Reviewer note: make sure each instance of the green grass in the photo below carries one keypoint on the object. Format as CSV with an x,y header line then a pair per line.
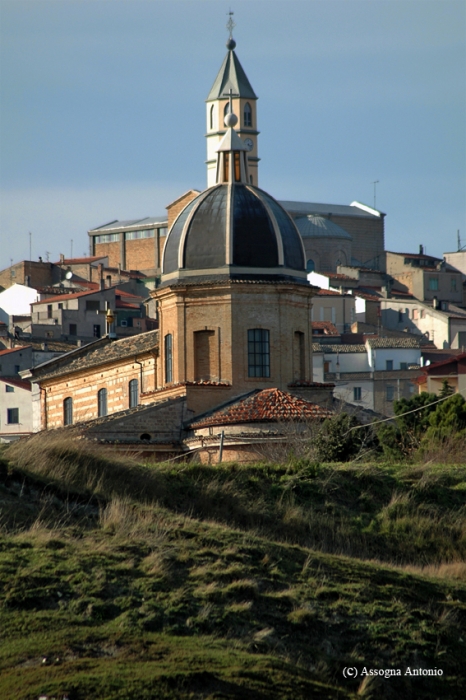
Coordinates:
x,y
227,582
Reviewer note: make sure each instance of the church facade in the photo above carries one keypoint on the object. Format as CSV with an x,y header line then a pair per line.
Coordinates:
x,y
234,310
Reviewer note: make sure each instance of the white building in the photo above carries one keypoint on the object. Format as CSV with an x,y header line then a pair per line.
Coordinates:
x,y
15,409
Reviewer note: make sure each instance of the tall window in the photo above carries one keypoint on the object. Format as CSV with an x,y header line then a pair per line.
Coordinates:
x,y
133,393
433,284
12,415
212,117
357,393
226,110
310,265
258,353
389,365
247,114
102,402
68,411
168,358
390,393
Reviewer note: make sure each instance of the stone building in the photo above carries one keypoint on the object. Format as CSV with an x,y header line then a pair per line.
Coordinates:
x,y
234,310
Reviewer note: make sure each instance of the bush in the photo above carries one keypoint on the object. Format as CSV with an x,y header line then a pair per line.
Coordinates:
x,y
342,438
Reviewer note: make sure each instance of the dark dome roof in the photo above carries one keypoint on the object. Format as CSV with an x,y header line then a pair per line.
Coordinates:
x,y
319,227
233,230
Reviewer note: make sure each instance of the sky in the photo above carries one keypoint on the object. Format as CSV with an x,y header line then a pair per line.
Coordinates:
x,y
103,116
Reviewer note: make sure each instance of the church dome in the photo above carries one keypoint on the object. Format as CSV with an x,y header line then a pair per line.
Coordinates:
x,y
319,227
235,230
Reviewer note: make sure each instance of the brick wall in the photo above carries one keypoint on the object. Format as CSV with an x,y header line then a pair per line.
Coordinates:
x,y
83,388
179,204
112,250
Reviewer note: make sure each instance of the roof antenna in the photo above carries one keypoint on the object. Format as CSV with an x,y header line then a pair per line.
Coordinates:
x,y
231,43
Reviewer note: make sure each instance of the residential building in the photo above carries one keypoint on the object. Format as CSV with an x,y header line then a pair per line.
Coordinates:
x,y
333,307
425,277
443,323
82,314
370,375
15,408
452,369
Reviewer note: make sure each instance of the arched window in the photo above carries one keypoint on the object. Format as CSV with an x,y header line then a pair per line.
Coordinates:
x,y
68,411
310,265
212,117
133,393
258,352
247,115
102,402
168,358
226,109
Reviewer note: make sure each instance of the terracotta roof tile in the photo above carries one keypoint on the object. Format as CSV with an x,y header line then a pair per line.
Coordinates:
x,y
16,349
393,342
324,328
264,406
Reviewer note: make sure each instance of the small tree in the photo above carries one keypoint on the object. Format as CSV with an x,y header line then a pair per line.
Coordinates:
x,y
342,438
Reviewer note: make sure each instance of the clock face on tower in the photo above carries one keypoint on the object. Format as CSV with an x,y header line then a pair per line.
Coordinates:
x,y
249,143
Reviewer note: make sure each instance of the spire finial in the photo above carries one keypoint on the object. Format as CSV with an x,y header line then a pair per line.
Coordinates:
x,y
231,43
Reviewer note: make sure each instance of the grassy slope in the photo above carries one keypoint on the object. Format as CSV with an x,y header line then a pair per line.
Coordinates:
x,y
227,582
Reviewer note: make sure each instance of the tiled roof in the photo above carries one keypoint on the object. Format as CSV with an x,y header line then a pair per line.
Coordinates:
x,y
9,350
326,328
65,295
393,342
344,348
431,369
102,352
329,293
263,406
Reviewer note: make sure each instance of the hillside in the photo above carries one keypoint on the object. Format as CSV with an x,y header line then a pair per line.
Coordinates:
x,y
121,580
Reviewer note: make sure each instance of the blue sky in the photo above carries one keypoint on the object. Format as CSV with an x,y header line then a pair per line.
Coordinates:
x,y
103,112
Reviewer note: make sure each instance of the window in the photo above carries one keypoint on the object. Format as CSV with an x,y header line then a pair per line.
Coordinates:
x,y
102,402
423,313
247,114
68,411
97,330
298,356
107,238
92,305
9,389
310,265
403,365
226,110
168,358
17,369
389,393
389,365
258,353
453,284
133,393
73,329
433,284
357,393
49,310
415,314
211,122
12,416
134,235
60,305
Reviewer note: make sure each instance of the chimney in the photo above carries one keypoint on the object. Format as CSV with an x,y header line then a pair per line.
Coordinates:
x,y
421,250
62,258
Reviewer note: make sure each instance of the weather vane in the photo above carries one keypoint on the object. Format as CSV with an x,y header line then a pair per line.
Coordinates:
x,y
231,24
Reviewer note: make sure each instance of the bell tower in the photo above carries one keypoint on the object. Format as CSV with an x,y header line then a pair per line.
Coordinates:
x,y
232,91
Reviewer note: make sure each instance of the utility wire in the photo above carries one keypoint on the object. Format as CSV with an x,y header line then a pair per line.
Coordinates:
x,y
400,415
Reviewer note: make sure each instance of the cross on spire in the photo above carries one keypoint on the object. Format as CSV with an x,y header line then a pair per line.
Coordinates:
x,y
231,24
230,94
